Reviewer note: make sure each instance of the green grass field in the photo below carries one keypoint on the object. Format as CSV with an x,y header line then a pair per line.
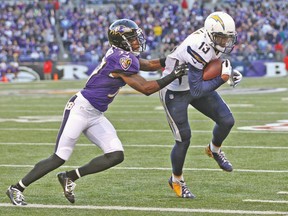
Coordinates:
x,y
30,115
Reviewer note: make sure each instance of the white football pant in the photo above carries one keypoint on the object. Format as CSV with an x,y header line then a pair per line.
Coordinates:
x,y
80,116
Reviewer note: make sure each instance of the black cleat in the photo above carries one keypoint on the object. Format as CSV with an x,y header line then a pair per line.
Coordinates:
x,y
16,196
220,159
68,186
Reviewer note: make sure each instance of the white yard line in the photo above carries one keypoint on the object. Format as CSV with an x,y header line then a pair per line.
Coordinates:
x,y
267,201
283,192
156,168
148,145
147,209
141,131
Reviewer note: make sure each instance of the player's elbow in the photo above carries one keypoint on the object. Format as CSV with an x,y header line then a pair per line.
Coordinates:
x,y
147,93
148,90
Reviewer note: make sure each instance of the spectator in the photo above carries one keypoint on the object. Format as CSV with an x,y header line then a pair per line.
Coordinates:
x,y
15,69
279,51
3,69
157,31
47,69
285,60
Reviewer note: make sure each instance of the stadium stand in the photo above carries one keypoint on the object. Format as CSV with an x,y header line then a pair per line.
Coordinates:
x,y
75,31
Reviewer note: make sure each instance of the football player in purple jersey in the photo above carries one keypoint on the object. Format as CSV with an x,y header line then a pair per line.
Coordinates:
x,y
84,112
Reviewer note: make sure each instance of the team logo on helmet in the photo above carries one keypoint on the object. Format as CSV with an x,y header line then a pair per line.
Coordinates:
x,y
125,62
120,30
218,19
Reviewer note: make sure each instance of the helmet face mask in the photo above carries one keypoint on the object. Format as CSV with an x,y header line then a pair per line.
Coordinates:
x,y
226,42
220,28
126,34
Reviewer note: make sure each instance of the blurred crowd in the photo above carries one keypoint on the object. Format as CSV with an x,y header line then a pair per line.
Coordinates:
x,y
60,30
27,34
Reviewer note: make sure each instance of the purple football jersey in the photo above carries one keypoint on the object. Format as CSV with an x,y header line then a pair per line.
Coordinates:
x,y
102,87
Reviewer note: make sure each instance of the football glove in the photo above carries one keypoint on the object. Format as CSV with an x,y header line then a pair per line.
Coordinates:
x,y
181,70
235,78
226,68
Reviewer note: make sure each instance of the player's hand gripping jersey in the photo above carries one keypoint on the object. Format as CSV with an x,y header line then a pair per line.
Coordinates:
x,y
196,51
84,112
216,37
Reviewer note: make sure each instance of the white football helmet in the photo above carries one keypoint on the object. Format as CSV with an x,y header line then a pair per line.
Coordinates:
x,y
220,28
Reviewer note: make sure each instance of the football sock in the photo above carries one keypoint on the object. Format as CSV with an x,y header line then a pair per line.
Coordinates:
x,y
214,148
177,178
72,175
20,186
100,163
42,168
77,172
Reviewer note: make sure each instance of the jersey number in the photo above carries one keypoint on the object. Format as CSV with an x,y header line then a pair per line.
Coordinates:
x,y
70,105
204,47
195,56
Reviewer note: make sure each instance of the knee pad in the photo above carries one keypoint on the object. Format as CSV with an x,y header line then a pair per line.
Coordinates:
x,y
185,136
115,157
222,129
227,121
183,145
56,160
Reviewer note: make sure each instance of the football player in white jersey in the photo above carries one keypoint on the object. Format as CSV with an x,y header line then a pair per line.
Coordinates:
x,y
218,36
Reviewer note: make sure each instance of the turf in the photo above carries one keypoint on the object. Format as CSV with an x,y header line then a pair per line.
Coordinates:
x,y
140,182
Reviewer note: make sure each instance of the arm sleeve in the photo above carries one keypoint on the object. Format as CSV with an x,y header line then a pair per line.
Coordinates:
x,y
199,87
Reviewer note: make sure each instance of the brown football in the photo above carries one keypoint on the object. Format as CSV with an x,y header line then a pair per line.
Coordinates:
x,y
212,69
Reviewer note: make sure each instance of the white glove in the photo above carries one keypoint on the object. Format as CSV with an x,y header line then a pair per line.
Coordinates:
x,y
226,68
235,78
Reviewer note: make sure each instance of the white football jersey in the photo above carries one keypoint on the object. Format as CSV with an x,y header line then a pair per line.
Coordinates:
x,y
196,50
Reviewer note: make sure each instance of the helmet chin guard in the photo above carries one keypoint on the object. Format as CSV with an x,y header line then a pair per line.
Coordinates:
x,y
220,28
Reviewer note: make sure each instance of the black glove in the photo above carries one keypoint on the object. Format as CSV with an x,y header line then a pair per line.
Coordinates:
x,y
181,70
178,72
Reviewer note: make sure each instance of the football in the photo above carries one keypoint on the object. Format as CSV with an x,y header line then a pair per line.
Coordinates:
x,y
212,69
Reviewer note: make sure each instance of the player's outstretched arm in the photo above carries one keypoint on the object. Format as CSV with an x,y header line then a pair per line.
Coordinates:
x,y
152,65
140,84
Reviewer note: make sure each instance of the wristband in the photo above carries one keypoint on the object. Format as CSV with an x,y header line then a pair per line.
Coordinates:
x,y
162,61
166,80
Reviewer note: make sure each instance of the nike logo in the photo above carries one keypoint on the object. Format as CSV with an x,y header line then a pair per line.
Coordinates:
x,y
113,95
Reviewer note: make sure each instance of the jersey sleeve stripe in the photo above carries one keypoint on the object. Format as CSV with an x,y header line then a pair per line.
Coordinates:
x,y
196,56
